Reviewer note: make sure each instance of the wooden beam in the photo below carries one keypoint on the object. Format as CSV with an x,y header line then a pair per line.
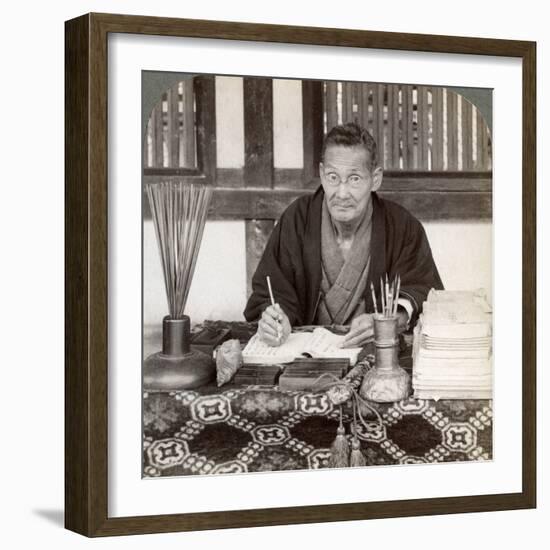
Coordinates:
x,y
331,104
229,177
205,98
427,205
312,106
427,199
291,178
442,206
258,167
413,181
258,132
347,102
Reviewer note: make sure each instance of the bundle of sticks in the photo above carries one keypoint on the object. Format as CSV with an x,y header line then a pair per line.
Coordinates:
x,y
179,213
389,294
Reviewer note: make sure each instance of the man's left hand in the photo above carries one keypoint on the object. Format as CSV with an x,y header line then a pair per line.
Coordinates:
x,y
402,319
360,332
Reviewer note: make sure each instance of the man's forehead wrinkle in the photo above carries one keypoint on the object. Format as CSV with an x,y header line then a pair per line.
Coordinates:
x,y
347,164
346,157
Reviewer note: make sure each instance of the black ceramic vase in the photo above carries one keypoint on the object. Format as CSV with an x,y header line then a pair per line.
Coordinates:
x,y
177,367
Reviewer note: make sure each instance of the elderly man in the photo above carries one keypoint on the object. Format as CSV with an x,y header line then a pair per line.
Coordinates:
x,y
329,246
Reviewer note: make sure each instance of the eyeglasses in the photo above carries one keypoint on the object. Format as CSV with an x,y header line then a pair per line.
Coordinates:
x,y
354,180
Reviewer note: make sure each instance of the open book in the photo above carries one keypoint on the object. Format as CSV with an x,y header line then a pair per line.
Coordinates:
x,y
321,344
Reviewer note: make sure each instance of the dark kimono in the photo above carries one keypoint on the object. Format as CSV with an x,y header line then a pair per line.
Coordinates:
x,y
292,259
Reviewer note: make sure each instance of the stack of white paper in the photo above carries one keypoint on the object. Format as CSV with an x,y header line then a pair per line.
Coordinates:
x,y
452,347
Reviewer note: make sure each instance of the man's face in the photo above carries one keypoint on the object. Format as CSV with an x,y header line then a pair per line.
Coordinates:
x,y
348,182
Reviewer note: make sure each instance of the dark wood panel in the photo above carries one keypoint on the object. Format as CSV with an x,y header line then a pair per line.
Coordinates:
x,y
257,235
365,91
229,177
437,129
312,109
440,206
173,127
347,102
482,142
86,277
466,127
423,128
378,107
233,201
312,514
269,204
426,205
393,127
393,180
98,320
452,130
294,34
158,136
457,182
205,98
529,276
290,178
407,122
258,204
258,131
189,132
77,389
168,173
331,104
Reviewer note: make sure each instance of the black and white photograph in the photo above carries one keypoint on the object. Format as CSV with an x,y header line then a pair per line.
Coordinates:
x,y
317,267
273,275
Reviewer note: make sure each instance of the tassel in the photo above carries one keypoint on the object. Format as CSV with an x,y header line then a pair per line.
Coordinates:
x,y
340,392
357,458
339,450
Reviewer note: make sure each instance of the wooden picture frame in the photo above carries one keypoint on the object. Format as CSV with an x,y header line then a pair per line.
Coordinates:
x,y
86,279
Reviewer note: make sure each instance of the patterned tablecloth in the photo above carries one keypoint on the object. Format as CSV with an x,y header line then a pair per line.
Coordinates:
x,y
247,429
235,429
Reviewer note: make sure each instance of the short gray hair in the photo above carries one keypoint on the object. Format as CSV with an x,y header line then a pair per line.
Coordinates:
x,y
350,135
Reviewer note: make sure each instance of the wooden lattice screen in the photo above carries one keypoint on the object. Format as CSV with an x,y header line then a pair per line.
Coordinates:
x,y
416,127
434,145
170,140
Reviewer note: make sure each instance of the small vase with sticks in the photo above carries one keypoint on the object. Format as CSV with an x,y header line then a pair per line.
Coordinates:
x,y
179,213
387,381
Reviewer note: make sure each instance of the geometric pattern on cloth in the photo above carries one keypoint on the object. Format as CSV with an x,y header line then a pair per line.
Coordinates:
x,y
260,428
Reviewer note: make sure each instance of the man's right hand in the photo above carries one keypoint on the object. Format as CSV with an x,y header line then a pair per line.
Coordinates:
x,y
274,326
